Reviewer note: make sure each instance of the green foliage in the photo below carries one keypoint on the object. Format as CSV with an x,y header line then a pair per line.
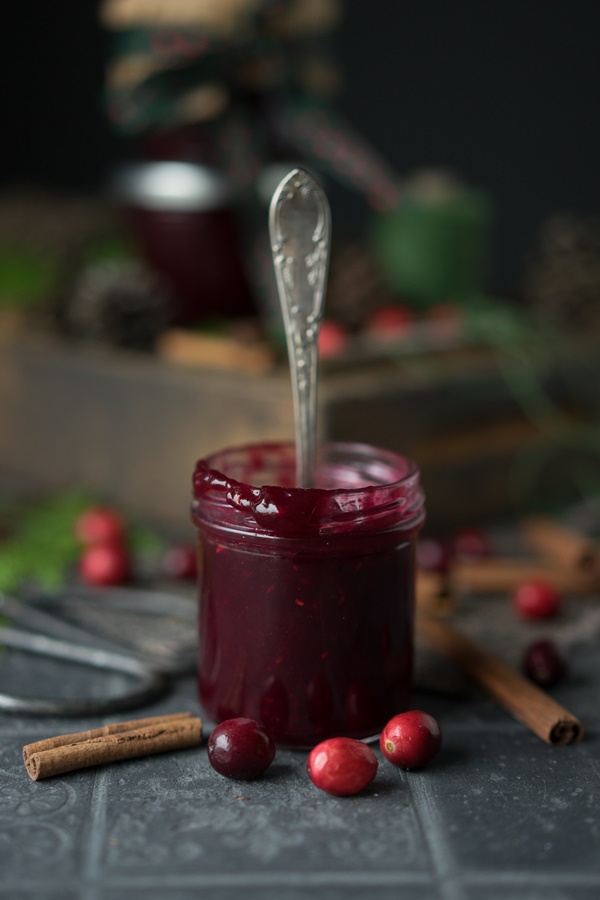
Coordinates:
x,y
495,322
115,247
41,547
144,542
27,277
560,463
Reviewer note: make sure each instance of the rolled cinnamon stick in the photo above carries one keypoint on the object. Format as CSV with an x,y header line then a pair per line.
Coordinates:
x,y
114,728
526,702
564,546
497,574
121,740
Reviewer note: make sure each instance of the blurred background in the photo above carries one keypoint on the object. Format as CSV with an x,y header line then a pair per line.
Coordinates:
x,y
459,146
504,93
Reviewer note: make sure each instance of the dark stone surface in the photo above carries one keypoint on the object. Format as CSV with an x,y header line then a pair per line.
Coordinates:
x,y
498,813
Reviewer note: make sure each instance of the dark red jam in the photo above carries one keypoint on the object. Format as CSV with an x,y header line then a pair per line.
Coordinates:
x,y
306,595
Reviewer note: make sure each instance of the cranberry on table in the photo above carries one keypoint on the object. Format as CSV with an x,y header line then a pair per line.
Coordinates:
x,y
240,748
543,663
390,322
333,339
341,766
411,739
471,543
433,554
536,600
99,525
180,561
105,565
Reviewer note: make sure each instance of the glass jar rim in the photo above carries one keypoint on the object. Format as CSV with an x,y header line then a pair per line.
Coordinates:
x,y
386,494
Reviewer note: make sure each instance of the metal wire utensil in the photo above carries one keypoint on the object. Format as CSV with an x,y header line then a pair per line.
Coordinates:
x,y
41,628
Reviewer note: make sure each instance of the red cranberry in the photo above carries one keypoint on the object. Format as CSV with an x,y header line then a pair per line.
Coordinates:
x,y
333,339
99,525
341,766
411,739
180,561
471,543
543,663
390,322
105,565
240,748
536,600
433,555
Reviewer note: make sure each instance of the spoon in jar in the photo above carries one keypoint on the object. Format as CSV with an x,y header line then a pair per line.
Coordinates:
x,y
300,232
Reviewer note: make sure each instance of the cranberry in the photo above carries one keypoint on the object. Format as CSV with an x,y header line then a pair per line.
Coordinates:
x,y
390,322
333,339
99,525
536,600
411,739
240,748
341,766
433,555
180,561
105,565
471,543
543,663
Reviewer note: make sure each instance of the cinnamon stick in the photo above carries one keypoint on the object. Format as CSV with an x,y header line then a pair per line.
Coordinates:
x,y
525,701
564,546
497,574
110,743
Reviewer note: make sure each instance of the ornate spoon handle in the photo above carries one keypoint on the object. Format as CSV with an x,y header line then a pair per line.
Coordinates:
x,y
300,230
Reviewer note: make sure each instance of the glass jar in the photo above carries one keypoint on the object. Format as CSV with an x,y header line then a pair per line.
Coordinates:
x,y
306,595
182,216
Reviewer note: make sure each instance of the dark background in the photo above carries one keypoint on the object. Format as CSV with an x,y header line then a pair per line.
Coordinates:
x,y
504,93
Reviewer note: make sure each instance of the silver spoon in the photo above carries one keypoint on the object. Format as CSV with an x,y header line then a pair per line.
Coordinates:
x,y
300,231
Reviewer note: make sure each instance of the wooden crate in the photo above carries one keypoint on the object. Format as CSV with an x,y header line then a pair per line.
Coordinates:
x,y
131,426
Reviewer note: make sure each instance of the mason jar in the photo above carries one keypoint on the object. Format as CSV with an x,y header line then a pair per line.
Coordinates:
x,y
307,594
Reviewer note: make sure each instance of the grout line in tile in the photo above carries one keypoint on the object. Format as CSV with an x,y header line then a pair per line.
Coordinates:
x,y
448,879
184,881
93,889
523,878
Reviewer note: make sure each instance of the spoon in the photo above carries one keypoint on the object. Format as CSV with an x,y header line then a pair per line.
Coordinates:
x,y
300,232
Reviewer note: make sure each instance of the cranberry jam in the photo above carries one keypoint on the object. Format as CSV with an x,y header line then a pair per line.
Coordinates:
x,y
306,595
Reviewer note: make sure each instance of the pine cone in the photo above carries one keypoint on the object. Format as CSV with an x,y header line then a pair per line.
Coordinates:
x,y
355,285
118,303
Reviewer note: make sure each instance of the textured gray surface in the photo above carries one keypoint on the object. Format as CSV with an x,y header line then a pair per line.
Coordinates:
x,y
497,814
